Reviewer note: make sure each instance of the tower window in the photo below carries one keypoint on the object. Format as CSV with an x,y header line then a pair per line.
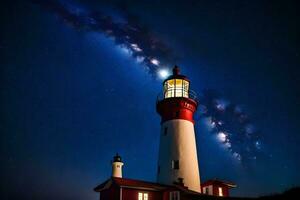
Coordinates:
x,y
166,131
175,164
142,196
158,169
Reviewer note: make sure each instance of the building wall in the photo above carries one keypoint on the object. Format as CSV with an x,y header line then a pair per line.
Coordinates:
x,y
224,189
214,189
207,190
178,144
112,193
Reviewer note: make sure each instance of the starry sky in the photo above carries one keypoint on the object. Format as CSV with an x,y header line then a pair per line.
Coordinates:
x,y
79,82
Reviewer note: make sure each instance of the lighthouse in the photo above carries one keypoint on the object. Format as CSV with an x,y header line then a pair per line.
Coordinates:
x,y
178,172
117,165
177,162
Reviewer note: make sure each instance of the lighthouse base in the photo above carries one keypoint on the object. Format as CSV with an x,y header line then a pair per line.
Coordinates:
x,y
178,154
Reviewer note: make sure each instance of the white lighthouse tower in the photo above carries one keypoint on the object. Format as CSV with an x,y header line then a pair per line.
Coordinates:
x,y
117,165
178,160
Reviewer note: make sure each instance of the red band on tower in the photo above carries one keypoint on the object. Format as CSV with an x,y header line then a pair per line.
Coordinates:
x,y
176,108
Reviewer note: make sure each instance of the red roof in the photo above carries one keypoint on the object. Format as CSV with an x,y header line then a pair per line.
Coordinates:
x,y
218,182
138,184
130,183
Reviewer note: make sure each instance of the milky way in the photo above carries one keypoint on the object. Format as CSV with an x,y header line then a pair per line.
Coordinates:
x,y
229,122
127,33
232,127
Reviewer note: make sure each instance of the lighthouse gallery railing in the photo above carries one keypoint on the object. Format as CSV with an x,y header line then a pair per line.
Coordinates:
x,y
177,92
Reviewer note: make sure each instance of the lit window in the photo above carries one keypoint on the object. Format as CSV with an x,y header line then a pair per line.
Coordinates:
x,y
220,192
185,88
175,164
143,196
174,195
179,88
169,88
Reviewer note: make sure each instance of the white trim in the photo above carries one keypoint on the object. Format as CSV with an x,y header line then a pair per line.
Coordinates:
x,y
174,195
121,193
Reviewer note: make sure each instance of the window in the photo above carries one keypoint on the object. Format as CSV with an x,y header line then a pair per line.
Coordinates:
x,y
185,88
143,196
205,190
208,190
175,164
169,88
178,88
158,169
220,192
166,131
174,195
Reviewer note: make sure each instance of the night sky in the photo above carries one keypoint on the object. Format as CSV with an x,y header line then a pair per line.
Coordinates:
x,y
79,82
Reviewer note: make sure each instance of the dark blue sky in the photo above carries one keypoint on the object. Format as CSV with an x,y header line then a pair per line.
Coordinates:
x,y
72,97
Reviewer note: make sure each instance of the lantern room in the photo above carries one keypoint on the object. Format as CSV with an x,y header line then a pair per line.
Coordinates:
x,y
176,85
176,88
